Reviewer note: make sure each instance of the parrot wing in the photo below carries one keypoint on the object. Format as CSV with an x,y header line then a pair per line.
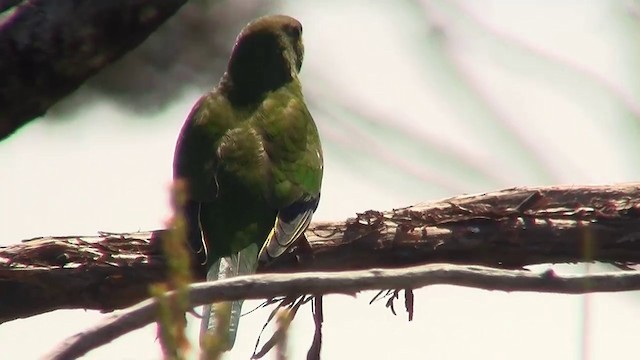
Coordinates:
x,y
297,175
290,224
196,161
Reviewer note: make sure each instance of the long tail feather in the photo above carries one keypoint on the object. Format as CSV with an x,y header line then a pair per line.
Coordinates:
x,y
242,263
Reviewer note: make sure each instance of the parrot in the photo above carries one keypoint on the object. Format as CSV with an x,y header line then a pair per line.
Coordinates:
x,y
250,155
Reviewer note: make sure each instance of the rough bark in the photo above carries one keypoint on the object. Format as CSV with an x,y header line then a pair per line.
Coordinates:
x,y
48,48
506,229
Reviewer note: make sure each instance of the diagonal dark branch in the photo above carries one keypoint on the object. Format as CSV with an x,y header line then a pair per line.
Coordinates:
x,y
506,229
8,4
48,48
349,282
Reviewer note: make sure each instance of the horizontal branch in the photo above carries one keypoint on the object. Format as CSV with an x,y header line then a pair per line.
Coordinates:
x,y
48,48
349,282
506,229
509,229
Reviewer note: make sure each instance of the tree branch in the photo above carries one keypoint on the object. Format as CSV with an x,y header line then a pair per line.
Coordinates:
x,y
349,282
506,229
48,48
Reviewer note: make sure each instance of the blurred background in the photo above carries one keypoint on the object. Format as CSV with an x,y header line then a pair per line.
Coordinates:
x,y
415,101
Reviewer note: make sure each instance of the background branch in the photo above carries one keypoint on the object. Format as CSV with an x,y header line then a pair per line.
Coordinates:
x,y
50,47
509,229
349,282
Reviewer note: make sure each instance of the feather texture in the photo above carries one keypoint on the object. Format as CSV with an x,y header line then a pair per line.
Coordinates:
x,y
290,224
251,156
242,263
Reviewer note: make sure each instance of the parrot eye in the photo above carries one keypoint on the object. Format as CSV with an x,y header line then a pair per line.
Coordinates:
x,y
294,31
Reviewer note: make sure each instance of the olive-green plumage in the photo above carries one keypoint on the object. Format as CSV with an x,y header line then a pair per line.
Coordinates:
x,y
250,154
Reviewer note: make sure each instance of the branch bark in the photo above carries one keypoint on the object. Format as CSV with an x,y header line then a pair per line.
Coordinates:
x,y
348,282
506,229
48,48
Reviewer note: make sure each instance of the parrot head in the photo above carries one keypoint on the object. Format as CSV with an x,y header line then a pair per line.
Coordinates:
x,y
267,54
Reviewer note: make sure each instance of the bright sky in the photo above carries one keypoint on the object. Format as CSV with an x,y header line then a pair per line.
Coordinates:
x,y
492,95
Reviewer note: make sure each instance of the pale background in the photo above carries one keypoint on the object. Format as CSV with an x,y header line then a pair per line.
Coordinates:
x,y
414,103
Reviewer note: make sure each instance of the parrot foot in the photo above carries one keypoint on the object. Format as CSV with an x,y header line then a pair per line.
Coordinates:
x,y
303,251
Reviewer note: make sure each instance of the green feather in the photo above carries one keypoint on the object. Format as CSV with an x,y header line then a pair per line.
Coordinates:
x,y
250,152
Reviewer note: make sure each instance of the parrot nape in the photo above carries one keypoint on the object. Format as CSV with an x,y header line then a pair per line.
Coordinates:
x,y
250,154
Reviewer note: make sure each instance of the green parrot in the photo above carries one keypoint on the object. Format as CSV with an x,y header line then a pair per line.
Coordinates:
x,y
250,154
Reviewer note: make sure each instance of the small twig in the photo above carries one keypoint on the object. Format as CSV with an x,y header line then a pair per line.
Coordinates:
x,y
291,305
408,302
318,318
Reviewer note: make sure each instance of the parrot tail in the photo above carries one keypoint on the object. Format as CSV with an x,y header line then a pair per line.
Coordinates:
x,y
242,263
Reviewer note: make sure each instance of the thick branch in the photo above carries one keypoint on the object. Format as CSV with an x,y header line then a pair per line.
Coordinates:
x,y
350,282
509,229
48,48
